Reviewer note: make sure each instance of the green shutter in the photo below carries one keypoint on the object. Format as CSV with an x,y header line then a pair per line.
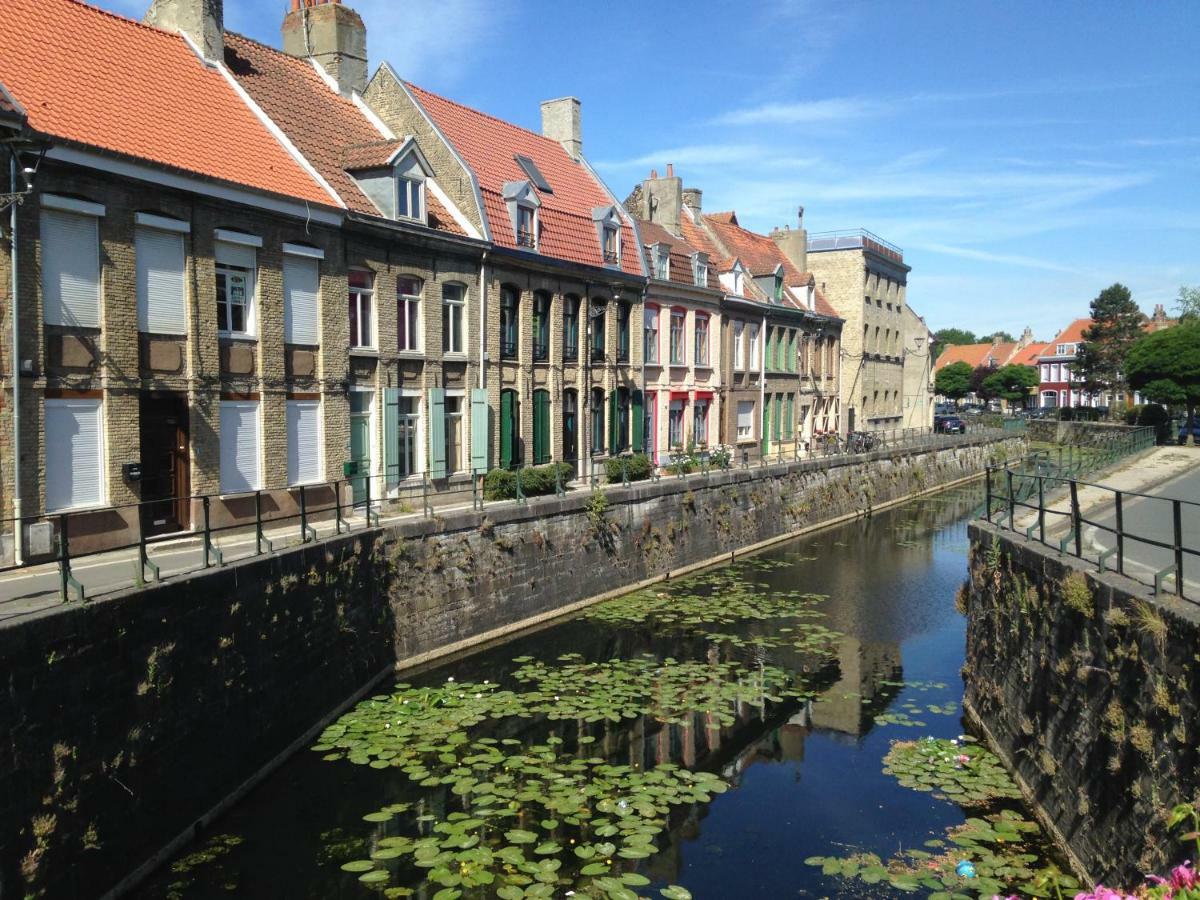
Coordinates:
x,y
788,412
775,426
437,432
506,429
766,424
614,441
541,426
391,437
479,430
639,421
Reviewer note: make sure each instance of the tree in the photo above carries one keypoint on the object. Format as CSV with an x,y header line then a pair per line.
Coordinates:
x,y
1165,366
1189,302
1116,327
978,376
953,381
1012,382
1001,336
954,336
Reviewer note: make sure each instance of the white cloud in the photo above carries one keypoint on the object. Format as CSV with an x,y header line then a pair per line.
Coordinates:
x,y
804,112
1006,259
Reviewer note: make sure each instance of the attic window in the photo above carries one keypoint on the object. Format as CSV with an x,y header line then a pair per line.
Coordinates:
x,y
662,262
529,167
526,226
612,245
778,288
410,198
700,269
608,231
522,201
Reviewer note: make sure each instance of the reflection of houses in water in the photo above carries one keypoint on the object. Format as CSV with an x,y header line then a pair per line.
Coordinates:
x,y
851,704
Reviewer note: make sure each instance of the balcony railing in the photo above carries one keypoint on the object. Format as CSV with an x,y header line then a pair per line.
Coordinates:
x,y
854,239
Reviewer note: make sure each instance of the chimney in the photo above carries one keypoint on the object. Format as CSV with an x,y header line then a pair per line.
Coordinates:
x,y
691,199
664,199
332,34
201,20
1026,338
561,122
793,243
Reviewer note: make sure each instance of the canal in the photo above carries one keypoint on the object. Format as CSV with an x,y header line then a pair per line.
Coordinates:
x,y
724,735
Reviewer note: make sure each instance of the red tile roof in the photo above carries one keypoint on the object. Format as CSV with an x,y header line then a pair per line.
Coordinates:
x,y
974,355
488,145
104,81
1072,334
1029,355
329,130
680,250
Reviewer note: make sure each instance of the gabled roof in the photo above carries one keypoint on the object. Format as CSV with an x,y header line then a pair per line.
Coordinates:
x,y
331,131
1028,356
1072,334
974,355
1002,352
100,80
681,253
12,114
489,147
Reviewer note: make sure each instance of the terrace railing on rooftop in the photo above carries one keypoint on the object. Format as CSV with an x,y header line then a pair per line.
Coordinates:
x,y
854,239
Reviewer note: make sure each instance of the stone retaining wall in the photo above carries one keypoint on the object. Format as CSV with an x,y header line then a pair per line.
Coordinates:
x,y
1079,434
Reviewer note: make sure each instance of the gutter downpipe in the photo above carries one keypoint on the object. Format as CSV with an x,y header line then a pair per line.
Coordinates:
x,y
645,437
15,365
483,353
762,386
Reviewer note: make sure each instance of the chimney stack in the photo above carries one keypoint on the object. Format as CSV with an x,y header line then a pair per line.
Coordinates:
x,y
691,199
201,20
561,122
332,34
794,243
663,198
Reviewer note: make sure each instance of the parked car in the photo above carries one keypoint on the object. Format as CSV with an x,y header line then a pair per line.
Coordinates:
x,y
1183,432
949,425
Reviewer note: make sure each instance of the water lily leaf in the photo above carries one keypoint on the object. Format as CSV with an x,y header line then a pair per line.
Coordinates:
x,y
675,892
358,865
518,836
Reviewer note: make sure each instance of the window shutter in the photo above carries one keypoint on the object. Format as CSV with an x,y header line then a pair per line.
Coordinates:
x,y
479,430
391,437
239,446
437,432
234,254
776,425
507,414
160,281
74,453
614,437
304,441
766,425
541,426
70,269
638,421
301,289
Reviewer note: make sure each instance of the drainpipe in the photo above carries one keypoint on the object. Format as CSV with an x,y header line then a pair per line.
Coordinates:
x,y
483,320
645,436
762,383
15,366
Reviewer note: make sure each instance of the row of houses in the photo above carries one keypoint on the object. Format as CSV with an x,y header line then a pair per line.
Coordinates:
x,y
232,268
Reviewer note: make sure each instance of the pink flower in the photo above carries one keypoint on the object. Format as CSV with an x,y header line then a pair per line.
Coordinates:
x,y
1100,892
1184,876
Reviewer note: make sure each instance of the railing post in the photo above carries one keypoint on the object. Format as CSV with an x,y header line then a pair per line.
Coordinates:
x,y
558,485
258,529
426,506
1041,509
337,505
624,472
1177,510
1012,500
520,492
207,534
1075,518
988,501
1120,536
303,515
64,555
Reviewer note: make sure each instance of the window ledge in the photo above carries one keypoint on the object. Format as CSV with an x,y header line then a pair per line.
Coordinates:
x,y
364,351
705,366
410,354
69,510
456,356
238,336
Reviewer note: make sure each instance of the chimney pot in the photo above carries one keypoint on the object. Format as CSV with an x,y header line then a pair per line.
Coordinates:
x,y
670,170
654,173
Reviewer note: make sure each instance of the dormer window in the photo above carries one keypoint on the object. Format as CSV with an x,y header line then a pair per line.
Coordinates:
x,y
612,253
526,226
700,269
393,176
608,232
410,198
778,288
523,204
734,280
662,262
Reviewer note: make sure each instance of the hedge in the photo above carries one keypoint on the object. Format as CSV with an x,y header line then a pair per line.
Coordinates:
x,y
638,468
536,481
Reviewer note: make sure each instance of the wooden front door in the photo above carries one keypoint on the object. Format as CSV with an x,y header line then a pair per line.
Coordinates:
x,y
166,477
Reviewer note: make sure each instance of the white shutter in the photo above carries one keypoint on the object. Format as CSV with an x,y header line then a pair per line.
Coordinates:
x,y
304,441
239,446
70,269
160,282
301,286
74,454
234,254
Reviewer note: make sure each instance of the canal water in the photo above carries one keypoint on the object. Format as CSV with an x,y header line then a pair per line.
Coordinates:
x,y
565,759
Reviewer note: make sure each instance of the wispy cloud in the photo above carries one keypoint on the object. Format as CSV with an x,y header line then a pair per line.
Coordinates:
x,y
804,112
1006,259
1162,142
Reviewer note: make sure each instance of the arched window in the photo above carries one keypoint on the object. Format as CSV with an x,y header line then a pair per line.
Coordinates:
x,y
408,313
541,427
570,328
570,424
624,311
454,328
510,450
701,339
650,315
510,313
678,336
597,421
541,326
596,325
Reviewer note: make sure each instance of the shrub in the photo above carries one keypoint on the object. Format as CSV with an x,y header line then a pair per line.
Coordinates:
x,y
1151,415
501,484
637,465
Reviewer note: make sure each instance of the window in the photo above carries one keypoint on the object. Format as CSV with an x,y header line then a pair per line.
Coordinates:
x,y
510,315
408,313
541,325
621,437
571,329
407,422
700,269
597,421
596,325
510,431
777,422
675,425
303,441
770,356
570,424
678,326
410,198
700,422
624,311
701,339
739,356
755,361
362,309
239,446
454,432
818,350
662,262
160,281
829,358
301,293
651,318
235,288
74,453
541,427
778,292
745,420
70,269
454,302
526,227
612,245
789,407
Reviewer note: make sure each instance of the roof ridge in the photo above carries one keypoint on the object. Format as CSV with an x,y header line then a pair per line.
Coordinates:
x,y
486,115
128,20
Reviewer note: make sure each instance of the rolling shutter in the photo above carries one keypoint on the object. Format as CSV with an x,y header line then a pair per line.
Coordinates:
x,y
70,269
391,437
301,290
74,454
239,446
479,430
304,441
160,281
228,254
437,432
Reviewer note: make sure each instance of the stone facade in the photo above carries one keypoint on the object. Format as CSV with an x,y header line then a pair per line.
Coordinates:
x,y
918,370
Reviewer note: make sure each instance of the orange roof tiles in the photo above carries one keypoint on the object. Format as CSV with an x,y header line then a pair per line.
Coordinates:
x,y
331,132
104,81
973,355
488,145
681,252
1028,356
1072,334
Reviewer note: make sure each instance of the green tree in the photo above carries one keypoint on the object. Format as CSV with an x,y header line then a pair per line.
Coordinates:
x,y
1012,382
1189,302
953,381
1002,336
1165,366
1116,327
978,376
954,336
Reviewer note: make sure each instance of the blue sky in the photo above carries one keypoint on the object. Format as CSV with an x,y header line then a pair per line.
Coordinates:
x,y
1025,155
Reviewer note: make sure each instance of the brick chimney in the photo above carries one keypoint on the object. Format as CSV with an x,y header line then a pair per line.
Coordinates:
x,y
201,20
664,199
793,242
332,34
561,122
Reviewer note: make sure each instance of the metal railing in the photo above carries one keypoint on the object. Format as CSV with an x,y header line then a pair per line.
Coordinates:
x,y
1039,496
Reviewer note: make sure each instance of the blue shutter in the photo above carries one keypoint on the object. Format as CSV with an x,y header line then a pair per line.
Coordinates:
x,y
391,437
479,430
437,433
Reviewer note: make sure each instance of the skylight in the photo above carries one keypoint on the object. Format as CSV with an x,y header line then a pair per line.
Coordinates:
x,y
535,175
